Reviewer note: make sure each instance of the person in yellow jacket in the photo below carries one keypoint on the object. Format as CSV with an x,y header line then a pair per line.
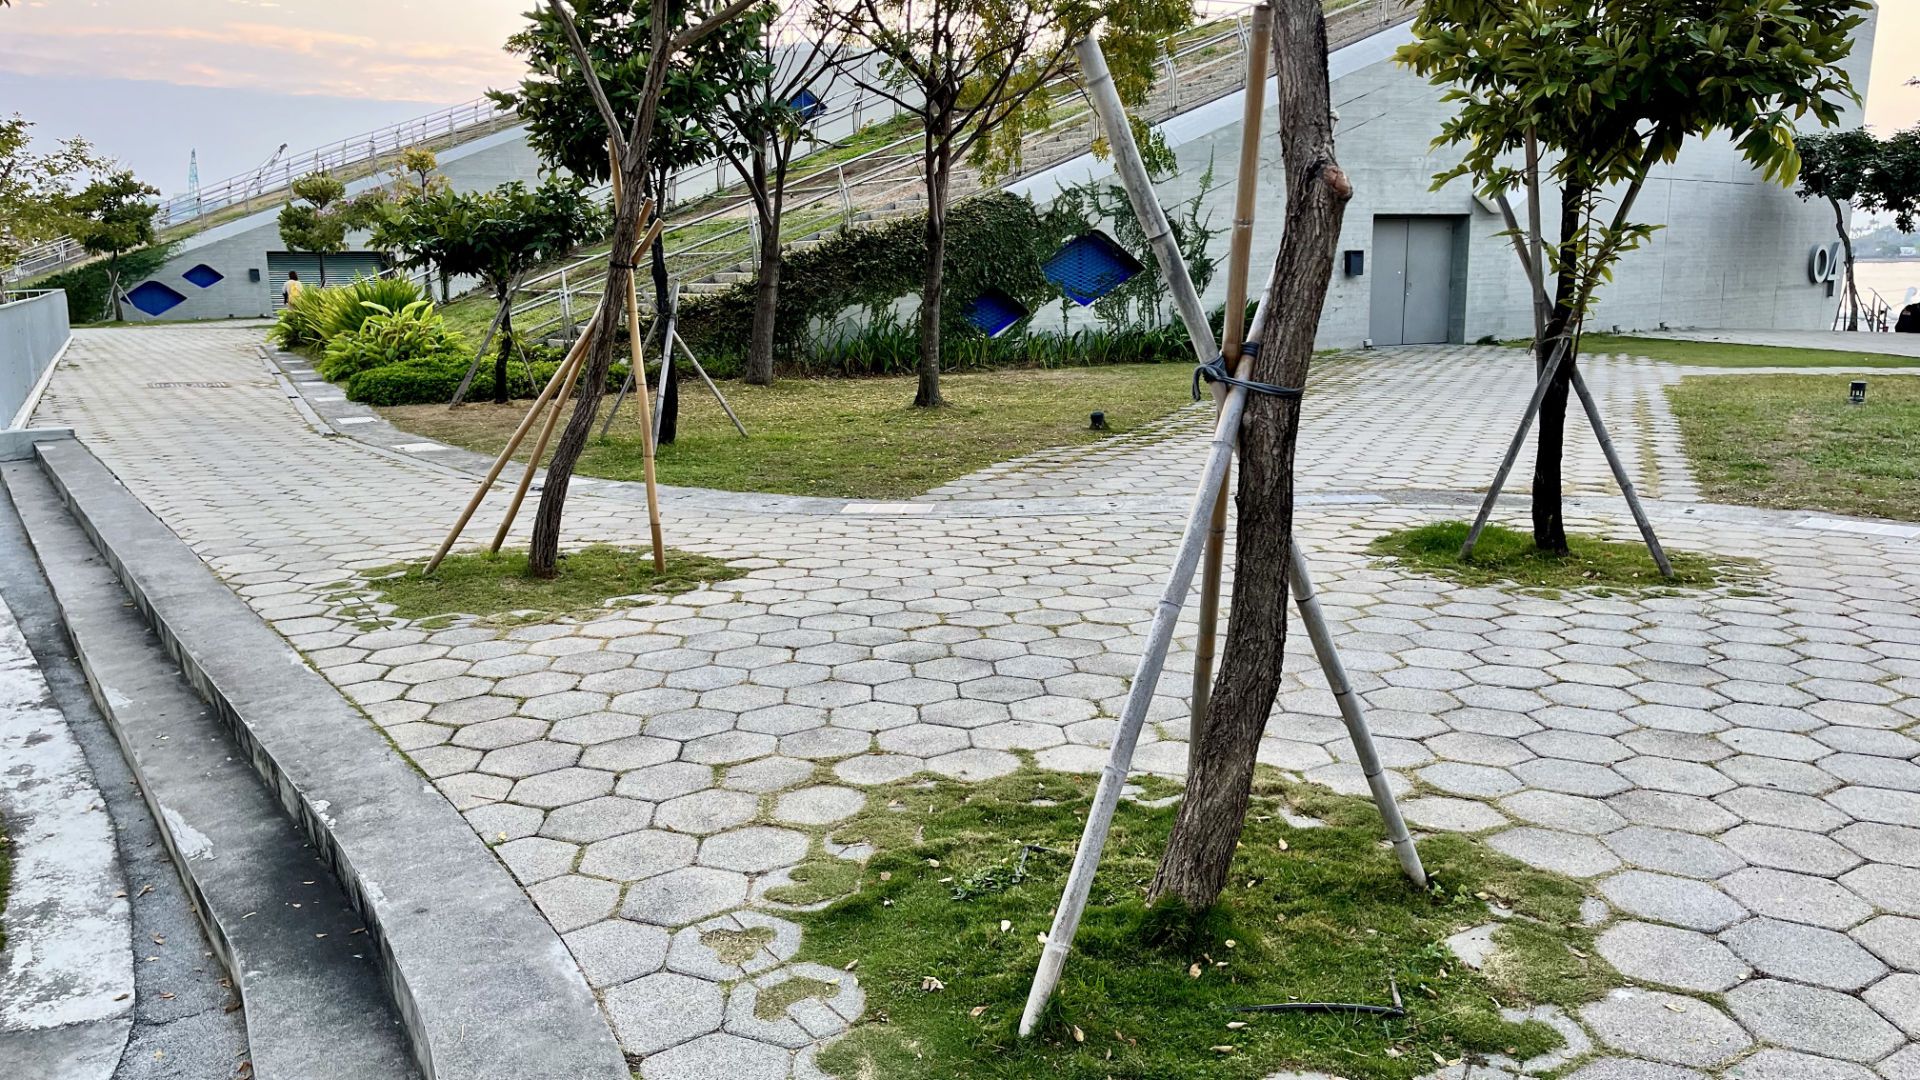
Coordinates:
x,y
293,288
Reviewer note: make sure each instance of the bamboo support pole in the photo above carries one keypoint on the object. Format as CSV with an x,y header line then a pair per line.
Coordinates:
x,y
1233,332
637,367
666,360
506,454
708,379
1354,714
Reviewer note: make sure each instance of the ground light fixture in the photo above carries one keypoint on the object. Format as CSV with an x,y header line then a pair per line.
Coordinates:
x,y
1098,422
1857,393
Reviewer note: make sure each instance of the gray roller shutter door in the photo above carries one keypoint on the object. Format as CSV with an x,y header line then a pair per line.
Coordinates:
x,y
341,269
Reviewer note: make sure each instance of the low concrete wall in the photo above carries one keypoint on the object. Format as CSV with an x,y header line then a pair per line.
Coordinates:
x,y
33,334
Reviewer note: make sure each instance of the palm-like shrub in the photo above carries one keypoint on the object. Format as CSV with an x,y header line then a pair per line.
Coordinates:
x,y
318,316
387,336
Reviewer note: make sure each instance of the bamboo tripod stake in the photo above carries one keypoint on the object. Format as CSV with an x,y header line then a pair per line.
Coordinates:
x,y
569,376
1233,333
579,348
638,369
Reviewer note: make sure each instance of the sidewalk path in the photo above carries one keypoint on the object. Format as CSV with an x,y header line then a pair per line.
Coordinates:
x,y
1736,772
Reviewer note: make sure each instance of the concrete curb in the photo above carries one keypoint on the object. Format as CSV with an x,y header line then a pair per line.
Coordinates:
x,y
484,986
66,977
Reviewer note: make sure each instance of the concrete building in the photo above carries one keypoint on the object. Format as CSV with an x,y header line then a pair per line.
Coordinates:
x,y
1416,265
1733,250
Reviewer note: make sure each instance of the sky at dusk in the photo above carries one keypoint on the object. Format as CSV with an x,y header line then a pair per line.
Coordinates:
x,y
149,79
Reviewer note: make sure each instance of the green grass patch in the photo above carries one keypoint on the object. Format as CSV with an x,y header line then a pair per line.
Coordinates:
x,y
480,583
1726,354
941,925
1793,442
1593,565
848,438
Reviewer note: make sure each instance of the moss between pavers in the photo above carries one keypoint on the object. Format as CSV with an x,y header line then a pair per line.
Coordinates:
x,y
942,925
494,585
1593,566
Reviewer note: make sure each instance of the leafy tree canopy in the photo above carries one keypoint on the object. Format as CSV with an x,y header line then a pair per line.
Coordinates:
x,y
1870,172
320,220
563,125
34,186
112,214
496,235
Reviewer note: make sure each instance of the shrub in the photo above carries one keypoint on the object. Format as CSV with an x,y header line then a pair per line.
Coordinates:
x,y
386,336
432,381
317,316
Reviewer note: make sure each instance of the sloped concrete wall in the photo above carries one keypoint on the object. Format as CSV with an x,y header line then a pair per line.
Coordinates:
x,y
33,333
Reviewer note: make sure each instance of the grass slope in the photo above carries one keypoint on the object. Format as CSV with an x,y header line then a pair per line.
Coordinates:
x,y
849,438
941,925
1793,442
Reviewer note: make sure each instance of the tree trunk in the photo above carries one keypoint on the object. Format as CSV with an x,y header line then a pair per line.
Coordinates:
x,y
1846,244
505,353
1549,521
766,286
113,288
939,171
1199,853
669,403
321,257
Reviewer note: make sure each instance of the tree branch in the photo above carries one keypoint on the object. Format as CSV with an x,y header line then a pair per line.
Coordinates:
x,y
585,60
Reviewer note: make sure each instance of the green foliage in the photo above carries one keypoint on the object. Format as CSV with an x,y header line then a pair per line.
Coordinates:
x,y
563,125
1858,167
964,877
387,336
1606,89
319,221
111,217
34,188
87,287
1591,565
496,235
1145,301
317,316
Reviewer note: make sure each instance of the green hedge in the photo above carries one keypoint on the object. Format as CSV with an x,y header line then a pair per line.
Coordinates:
x,y
433,381
86,286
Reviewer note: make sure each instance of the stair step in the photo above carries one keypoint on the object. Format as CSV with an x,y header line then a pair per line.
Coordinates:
x,y
315,996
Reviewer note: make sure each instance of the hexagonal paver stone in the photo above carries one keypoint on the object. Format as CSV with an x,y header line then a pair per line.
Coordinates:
x,y
536,858
638,855
1568,813
1673,852
1791,1065
1893,939
1572,777
974,765
1822,1022
1665,1027
1480,781
707,811
833,1002
922,740
767,774
821,804
1904,1065
1666,810
630,753
1692,904
572,901
755,849
562,787
870,769
685,896
1894,844
1476,946
1428,812
1632,1069
1898,999
617,950
719,1057
1796,897
729,747
652,1013
1790,849
1670,956
1895,888
733,946
1804,953
1564,853
597,819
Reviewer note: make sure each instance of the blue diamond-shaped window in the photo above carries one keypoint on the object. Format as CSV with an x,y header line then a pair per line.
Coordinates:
x,y
994,312
1090,266
155,298
204,276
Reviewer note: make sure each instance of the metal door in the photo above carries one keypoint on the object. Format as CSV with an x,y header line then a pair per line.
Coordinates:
x,y
1389,280
1412,280
342,268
